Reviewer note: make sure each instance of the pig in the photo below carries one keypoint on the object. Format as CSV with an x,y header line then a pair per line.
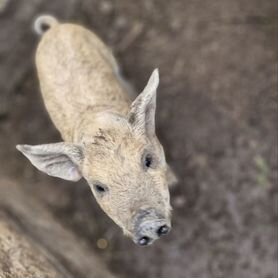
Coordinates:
x,y
108,139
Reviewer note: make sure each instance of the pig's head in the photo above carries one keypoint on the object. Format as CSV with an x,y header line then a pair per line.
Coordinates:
x,y
124,164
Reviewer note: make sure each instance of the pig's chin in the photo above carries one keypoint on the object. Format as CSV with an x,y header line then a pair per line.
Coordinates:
x,y
125,230
127,233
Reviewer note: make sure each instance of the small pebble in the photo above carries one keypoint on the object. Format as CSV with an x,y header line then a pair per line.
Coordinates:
x,y
102,243
106,7
120,22
179,201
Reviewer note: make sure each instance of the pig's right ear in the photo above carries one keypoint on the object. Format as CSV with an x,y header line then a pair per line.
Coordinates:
x,y
60,160
142,111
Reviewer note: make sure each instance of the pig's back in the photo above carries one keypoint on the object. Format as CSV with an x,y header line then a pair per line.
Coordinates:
x,y
77,72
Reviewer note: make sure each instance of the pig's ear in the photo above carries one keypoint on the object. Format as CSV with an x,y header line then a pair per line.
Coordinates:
x,y
60,160
142,112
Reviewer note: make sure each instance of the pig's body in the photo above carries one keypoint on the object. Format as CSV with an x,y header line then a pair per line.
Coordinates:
x,y
108,140
78,76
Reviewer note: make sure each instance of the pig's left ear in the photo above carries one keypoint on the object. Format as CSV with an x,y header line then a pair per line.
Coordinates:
x,y
60,160
142,112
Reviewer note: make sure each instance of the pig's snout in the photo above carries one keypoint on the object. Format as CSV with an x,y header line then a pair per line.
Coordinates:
x,y
150,227
150,231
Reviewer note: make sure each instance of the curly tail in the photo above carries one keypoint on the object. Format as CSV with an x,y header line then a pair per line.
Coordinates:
x,y
43,23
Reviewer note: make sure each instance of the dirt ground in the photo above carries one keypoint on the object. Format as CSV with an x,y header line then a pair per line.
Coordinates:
x,y
217,118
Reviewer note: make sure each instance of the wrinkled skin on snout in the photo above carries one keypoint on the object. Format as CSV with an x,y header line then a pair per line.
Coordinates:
x,y
123,163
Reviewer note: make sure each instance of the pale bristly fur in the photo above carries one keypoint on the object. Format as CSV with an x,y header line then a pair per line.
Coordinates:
x,y
105,134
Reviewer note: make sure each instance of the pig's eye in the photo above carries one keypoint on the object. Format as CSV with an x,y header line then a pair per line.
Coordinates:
x,y
148,160
100,188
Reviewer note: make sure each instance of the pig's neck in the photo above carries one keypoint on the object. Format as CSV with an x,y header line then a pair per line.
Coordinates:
x,y
91,120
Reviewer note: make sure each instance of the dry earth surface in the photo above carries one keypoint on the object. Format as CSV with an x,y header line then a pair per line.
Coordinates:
x,y
217,118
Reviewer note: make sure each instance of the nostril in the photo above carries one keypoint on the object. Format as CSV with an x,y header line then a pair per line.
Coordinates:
x,y
163,230
144,240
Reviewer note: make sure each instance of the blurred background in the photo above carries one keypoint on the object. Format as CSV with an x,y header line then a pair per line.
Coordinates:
x,y
217,119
